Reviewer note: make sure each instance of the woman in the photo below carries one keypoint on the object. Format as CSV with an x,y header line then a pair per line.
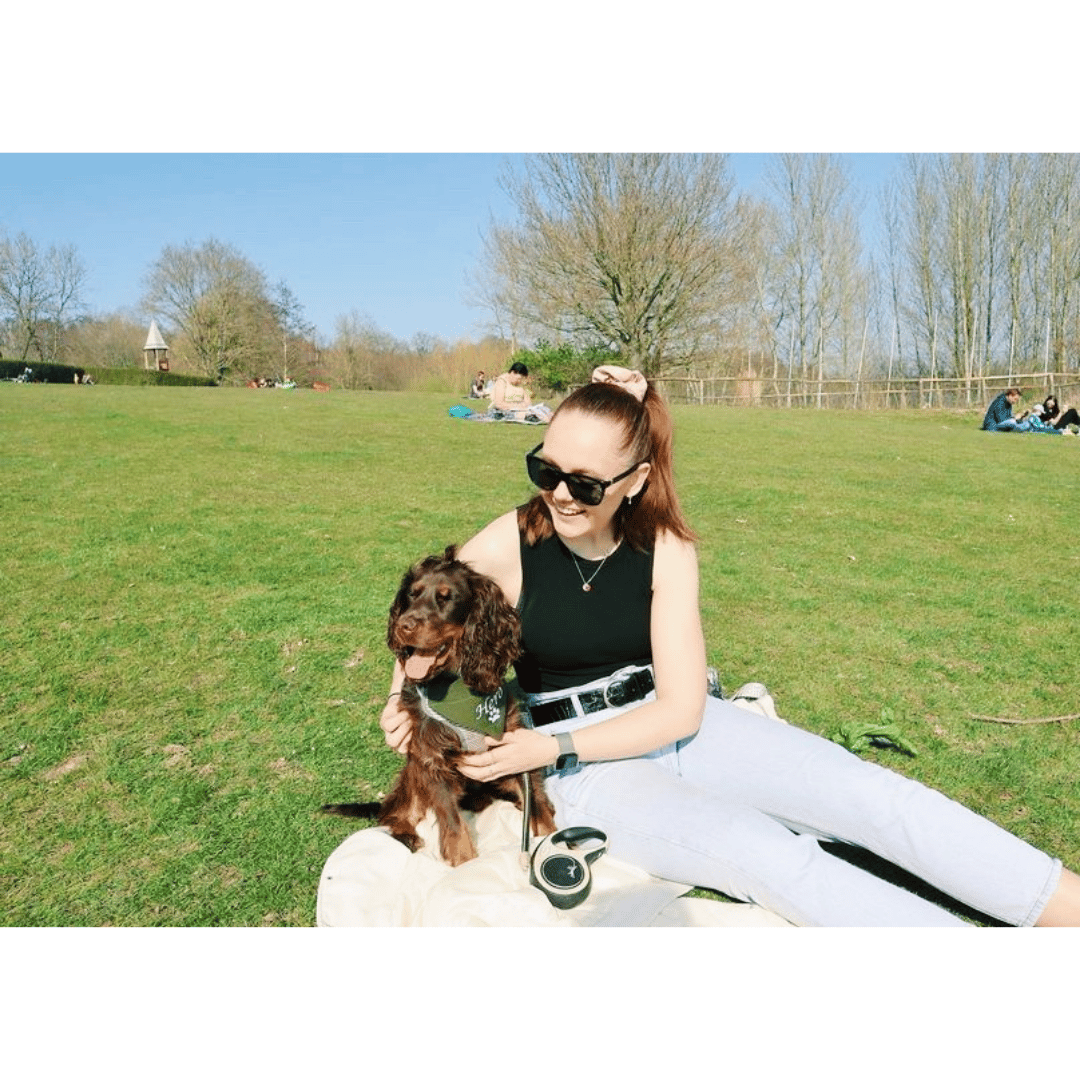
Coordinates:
x,y
688,787
509,393
1051,413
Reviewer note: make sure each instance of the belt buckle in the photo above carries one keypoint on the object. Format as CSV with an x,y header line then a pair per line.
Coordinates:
x,y
617,694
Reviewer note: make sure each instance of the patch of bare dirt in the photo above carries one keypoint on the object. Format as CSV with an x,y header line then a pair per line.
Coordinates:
x,y
290,770
76,761
176,754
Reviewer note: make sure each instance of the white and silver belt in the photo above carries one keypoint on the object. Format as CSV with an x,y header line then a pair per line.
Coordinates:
x,y
623,687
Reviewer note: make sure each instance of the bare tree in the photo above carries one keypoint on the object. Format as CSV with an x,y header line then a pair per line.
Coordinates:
x,y
989,261
634,250
364,357
293,328
1054,257
40,295
220,302
105,341
817,292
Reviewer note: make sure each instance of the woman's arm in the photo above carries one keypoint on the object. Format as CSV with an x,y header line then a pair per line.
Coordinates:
x,y
678,646
679,662
394,720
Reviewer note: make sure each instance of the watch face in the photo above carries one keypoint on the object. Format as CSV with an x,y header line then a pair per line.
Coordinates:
x,y
566,761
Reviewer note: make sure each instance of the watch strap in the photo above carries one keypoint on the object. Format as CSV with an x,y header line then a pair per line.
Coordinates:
x,y
567,755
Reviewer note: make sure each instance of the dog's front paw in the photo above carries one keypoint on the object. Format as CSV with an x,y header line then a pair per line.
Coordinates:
x,y
458,849
409,839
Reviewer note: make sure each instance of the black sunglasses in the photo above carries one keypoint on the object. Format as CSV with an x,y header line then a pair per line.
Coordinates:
x,y
585,489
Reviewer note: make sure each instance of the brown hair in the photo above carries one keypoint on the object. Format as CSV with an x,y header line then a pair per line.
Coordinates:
x,y
648,437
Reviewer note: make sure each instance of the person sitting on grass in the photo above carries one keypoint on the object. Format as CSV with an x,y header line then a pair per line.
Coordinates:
x,y
509,394
1052,414
999,416
602,567
478,390
510,398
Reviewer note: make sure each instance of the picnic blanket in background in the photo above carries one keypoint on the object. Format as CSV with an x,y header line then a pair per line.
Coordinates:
x,y
373,880
537,414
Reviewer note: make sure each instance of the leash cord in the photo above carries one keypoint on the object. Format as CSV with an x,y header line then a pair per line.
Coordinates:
x,y
527,814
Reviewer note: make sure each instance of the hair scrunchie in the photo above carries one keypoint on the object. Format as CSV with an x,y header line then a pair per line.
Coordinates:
x,y
633,382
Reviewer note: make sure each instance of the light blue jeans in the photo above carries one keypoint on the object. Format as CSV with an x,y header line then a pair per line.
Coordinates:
x,y
740,806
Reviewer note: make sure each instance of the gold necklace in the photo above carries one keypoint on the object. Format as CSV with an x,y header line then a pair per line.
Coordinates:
x,y
586,584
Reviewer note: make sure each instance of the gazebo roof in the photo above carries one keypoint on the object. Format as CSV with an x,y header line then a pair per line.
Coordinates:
x,y
154,340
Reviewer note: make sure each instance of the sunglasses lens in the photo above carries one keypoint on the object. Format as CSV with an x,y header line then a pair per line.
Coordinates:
x,y
585,491
543,476
547,478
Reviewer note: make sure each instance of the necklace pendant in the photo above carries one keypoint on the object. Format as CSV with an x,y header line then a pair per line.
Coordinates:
x,y
586,587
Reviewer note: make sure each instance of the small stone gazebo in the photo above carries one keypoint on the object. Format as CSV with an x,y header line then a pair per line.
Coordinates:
x,y
155,349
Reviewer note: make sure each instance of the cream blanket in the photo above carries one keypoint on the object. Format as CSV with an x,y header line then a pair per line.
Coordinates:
x,y
372,880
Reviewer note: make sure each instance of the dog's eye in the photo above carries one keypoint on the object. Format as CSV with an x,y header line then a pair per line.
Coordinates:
x,y
442,594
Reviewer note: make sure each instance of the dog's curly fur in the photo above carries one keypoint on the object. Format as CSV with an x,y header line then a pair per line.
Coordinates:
x,y
445,607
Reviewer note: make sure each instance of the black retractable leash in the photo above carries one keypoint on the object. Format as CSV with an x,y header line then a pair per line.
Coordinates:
x,y
556,869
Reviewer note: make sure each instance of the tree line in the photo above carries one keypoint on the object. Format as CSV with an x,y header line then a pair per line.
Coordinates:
x,y
222,318
971,267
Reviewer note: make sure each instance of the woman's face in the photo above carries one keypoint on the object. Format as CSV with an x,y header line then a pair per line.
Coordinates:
x,y
515,377
590,445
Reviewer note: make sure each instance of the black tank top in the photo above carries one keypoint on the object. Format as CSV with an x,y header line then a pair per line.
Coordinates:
x,y
570,636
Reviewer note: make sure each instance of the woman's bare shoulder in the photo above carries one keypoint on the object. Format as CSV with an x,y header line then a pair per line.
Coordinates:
x,y
672,550
494,546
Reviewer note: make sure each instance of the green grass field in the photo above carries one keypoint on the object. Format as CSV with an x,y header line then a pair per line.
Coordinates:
x,y
195,586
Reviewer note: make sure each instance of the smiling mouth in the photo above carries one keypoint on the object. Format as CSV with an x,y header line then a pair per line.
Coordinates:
x,y
567,511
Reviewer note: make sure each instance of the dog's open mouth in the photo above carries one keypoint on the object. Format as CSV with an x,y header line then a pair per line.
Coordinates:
x,y
420,664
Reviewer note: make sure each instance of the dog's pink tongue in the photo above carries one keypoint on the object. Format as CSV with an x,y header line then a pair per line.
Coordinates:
x,y
418,665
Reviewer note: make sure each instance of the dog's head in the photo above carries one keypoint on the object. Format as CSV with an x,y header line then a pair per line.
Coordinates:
x,y
448,617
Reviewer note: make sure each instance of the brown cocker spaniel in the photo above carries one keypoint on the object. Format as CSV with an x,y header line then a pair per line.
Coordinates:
x,y
448,620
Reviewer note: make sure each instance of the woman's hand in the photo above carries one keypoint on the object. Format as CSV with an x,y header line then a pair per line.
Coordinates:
x,y
519,751
396,724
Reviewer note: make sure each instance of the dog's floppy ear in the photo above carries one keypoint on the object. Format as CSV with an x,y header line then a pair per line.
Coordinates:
x,y
492,637
401,602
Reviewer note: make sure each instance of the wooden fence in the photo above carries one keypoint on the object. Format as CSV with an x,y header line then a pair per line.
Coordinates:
x,y
897,393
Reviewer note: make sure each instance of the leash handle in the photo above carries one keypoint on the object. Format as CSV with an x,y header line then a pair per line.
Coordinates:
x,y
578,833
559,872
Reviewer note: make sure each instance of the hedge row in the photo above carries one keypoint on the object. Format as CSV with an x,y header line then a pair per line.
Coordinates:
x,y
65,373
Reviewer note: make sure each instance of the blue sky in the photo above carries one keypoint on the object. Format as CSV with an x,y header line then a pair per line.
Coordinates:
x,y
389,236
392,235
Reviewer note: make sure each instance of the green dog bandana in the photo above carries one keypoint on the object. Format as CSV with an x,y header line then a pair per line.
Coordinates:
x,y
472,715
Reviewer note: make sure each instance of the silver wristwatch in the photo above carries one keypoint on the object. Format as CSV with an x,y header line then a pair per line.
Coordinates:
x,y
567,758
